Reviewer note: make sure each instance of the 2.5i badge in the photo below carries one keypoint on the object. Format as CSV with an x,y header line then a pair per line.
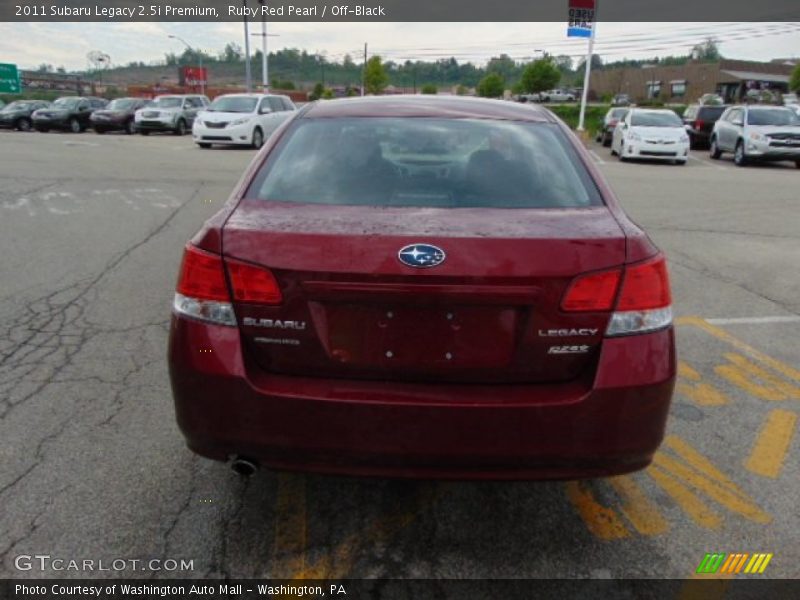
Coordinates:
x,y
568,350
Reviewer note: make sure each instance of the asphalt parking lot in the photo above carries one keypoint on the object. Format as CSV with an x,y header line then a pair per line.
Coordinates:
x,y
93,465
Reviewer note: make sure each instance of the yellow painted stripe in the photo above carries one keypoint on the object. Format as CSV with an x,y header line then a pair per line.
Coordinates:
x,y
747,349
339,562
699,512
772,444
637,508
700,462
764,564
756,380
686,371
602,522
289,543
732,501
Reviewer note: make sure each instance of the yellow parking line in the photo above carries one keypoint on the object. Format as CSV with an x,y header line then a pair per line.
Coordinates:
x,y
339,562
289,544
686,499
637,508
602,522
772,444
756,380
699,462
747,349
698,392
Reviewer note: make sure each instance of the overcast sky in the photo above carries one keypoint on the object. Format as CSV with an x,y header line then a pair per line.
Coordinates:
x,y
67,44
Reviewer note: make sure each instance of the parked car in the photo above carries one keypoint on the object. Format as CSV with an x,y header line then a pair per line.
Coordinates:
x,y
241,119
17,115
610,121
557,96
70,113
699,121
118,115
795,108
389,292
175,113
535,97
621,100
654,134
790,99
757,133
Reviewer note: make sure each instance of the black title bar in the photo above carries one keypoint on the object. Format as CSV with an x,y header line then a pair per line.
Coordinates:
x,y
394,10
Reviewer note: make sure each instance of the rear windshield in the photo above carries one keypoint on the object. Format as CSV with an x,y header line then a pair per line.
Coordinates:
x,y
771,116
122,103
656,119
425,162
66,102
618,113
235,104
711,112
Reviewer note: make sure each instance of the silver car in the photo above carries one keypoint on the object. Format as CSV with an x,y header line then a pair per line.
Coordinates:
x,y
757,133
174,112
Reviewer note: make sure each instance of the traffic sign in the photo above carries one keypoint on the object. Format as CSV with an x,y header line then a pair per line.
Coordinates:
x,y
581,18
9,79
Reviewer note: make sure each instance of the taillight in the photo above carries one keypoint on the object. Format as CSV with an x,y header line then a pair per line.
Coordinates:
x,y
202,276
645,286
252,284
699,124
645,299
639,295
592,292
201,292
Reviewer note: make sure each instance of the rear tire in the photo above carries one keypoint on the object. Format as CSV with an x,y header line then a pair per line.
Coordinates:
x,y
23,124
42,129
713,150
130,127
797,164
75,126
99,130
180,127
606,140
144,132
204,146
739,157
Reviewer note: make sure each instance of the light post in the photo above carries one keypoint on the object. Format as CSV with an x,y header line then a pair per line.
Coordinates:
x,y
247,76
199,61
264,55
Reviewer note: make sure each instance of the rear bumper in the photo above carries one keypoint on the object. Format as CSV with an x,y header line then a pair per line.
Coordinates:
x,y
611,425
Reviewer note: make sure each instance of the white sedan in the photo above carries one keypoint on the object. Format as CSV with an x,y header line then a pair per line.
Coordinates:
x,y
241,119
656,134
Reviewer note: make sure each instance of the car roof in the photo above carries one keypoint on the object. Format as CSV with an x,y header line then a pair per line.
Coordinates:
x,y
450,107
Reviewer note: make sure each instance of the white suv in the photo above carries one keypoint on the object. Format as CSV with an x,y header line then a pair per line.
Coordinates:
x,y
241,119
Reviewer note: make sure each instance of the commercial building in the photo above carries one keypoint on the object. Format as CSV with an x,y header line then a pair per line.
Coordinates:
x,y
731,79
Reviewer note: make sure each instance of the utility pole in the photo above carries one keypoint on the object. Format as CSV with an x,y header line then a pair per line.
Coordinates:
x,y
248,78
364,71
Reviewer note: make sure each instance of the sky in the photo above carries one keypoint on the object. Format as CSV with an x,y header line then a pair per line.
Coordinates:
x,y
67,44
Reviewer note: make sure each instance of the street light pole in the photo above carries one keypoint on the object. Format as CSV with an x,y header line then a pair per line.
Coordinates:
x,y
264,53
247,76
199,61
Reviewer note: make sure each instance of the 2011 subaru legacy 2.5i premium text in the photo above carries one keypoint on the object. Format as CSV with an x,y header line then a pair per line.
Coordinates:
x,y
423,287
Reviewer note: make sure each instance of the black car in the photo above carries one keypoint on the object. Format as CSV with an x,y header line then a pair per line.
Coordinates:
x,y
118,115
17,115
70,113
699,120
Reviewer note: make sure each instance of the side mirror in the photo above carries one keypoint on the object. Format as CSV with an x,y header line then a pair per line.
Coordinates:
x,y
738,122
264,110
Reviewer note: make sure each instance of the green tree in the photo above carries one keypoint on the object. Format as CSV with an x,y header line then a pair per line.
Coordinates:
x,y
375,77
317,92
429,88
461,90
539,76
327,94
794,80
707,50
492,86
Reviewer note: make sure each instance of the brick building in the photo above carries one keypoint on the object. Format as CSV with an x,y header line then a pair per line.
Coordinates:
x,y
731,79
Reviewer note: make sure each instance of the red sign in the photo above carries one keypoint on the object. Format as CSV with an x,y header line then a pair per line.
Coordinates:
x,y
193,76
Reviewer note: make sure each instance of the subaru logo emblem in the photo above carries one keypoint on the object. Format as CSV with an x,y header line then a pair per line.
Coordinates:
x,y
421,255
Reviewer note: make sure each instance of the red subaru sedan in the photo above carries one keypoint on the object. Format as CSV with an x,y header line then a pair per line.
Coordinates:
x,y
423,287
